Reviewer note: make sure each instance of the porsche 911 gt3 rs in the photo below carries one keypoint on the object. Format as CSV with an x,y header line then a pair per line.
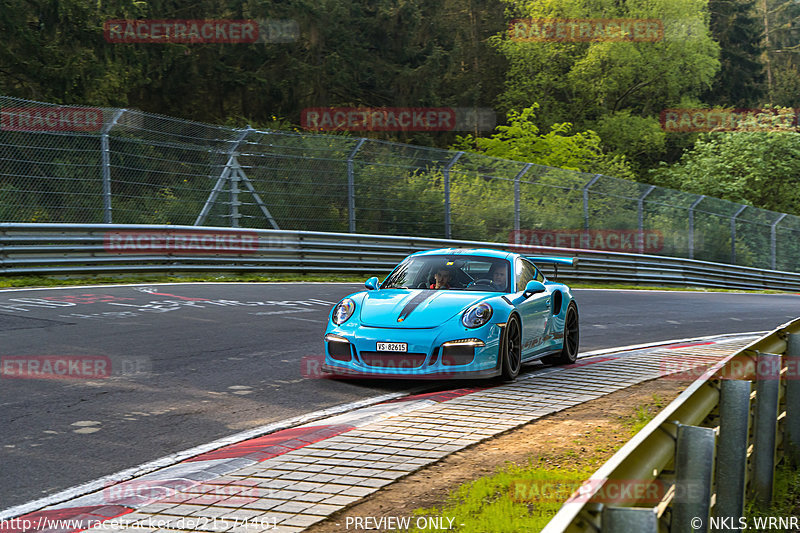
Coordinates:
x,y
454,313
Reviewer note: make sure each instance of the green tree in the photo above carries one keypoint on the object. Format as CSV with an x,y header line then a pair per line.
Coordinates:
x,y
584,83
521,140
345,53
761,169
781,58
54,51
740,80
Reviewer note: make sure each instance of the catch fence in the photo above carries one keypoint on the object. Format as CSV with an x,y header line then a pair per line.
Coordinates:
x,y
81,165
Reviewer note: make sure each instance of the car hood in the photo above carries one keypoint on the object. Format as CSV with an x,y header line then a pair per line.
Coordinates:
x,y
421,308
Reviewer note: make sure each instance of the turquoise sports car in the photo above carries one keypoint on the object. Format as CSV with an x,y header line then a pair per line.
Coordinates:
x,y
454,313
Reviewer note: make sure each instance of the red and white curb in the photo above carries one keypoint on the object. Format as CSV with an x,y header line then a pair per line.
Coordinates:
x,y
288,476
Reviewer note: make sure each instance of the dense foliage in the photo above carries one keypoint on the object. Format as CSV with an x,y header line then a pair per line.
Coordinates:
x,y
596,104
754,168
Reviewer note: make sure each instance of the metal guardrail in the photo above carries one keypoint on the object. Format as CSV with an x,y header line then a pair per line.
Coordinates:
x,y
714,447
73,249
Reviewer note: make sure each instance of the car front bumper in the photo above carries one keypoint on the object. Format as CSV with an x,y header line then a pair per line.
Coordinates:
x,y
351,350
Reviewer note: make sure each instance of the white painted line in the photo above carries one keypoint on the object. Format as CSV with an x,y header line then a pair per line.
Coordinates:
x,y
379,412
681,291
204,283
303,319
177,457
632,347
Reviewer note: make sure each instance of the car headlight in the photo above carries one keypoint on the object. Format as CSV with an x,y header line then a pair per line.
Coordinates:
x,y
477,315
343,311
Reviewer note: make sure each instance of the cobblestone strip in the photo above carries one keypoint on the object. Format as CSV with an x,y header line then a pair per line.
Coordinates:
x,y
299,488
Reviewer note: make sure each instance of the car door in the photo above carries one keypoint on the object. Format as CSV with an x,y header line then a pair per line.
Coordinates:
x,y
534,310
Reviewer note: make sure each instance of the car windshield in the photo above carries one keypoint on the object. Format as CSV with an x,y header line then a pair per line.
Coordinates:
x,y
448,272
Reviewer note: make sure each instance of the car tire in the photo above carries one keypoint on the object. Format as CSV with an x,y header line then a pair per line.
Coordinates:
x,y
569,350
511,349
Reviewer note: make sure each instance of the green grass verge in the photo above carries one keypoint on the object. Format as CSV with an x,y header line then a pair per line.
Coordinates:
x,y
657,288
52,281
512,500
525,498
785,503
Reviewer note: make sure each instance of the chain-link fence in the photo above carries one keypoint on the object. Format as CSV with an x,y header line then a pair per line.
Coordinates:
x,y
94,165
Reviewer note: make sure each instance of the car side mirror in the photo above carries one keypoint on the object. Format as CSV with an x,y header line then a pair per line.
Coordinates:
x,y
534,287
372,283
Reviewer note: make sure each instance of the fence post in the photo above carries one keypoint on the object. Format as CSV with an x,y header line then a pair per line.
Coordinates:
x,y
235,203
516,194
351,187
641,217
733,233
773,240
691,224
627,519
734,428
586,200
105,155
792,422
694,470
223,177
768,370
447,229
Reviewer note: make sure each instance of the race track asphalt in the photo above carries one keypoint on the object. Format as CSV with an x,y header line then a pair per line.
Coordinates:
x,y
183,364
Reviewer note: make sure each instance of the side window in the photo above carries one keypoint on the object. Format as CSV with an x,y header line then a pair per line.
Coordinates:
x,y
539,276
525,273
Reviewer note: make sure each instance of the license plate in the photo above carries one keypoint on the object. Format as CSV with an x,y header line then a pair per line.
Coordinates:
x,y
392,347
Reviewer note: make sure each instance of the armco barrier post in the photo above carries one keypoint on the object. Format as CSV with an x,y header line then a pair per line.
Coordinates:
x,y
627,519
734,427
694,470
767,387
792,422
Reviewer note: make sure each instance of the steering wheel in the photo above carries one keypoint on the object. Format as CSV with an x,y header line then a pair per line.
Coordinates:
x,y
481,282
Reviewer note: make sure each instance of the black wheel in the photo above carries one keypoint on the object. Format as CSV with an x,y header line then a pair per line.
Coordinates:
x,y
569,353
511,349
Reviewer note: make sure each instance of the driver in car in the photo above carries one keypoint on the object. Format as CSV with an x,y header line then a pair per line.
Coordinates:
x,y
499,276
442,279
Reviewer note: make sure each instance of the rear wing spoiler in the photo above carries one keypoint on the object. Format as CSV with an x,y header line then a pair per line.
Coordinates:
x,y
552,260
